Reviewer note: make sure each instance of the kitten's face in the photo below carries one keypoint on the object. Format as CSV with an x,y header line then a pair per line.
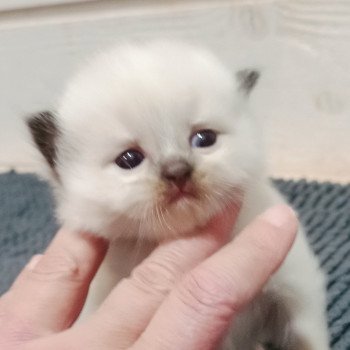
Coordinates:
x,y
153,142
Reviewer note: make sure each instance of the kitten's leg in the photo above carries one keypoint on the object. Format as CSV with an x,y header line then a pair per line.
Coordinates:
x,y
309,323
299,282
102,284
246,329
309,330
296,322
120,260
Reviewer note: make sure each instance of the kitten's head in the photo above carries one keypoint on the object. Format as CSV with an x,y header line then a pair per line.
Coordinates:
x,y
150,141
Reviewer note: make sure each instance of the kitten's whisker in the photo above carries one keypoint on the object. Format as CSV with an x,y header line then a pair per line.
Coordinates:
x,y
164,219
159,216
147,213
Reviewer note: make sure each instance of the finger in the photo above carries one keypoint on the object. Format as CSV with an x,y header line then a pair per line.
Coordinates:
x,y
49,293
199,311
127,311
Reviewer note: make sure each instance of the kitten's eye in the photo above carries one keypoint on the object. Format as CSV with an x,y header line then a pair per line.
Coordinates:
x,y
130,159
203,138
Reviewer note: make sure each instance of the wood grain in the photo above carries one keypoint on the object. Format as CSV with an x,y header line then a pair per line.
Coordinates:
x,y
9,5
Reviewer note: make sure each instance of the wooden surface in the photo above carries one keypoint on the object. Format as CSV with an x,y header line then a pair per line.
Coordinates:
x,y
301,46
9,5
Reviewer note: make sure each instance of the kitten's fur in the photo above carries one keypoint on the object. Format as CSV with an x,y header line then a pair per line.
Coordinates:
x,y
153,97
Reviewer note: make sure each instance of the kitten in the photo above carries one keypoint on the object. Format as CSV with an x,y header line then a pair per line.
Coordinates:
x,y
151,140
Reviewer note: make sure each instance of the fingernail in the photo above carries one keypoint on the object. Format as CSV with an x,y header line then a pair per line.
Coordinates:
x,y
281,216
34,261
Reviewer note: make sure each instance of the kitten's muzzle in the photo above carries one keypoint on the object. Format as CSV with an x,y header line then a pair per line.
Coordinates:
x,y
176,172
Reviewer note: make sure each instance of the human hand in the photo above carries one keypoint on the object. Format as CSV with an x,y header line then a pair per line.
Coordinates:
x,y
183,296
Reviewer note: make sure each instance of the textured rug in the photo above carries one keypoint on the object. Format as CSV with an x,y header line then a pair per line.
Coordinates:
x,y
27,225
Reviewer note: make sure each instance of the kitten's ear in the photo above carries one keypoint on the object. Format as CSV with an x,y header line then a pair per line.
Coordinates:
x,y
247,79
44,130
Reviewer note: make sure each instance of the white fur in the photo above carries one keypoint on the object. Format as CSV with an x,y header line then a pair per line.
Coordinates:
x,y
154,96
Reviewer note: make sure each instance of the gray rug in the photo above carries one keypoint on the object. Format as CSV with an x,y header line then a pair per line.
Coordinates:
x,y
27,225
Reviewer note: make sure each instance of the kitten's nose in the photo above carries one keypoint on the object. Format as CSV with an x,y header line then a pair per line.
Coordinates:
x,y
177,171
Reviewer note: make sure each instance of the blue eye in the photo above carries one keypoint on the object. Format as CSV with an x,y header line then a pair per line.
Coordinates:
x,y
130,159
203,138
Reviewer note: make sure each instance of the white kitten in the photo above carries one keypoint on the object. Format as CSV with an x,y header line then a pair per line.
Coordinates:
x,y
152,140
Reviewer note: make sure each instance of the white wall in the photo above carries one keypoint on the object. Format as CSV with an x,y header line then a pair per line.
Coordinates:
x,y
301,46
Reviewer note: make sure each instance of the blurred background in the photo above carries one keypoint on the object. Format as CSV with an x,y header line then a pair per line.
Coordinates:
x,y
301,47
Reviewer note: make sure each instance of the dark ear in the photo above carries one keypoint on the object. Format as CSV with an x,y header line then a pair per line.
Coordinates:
x,y
44,130
247,79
